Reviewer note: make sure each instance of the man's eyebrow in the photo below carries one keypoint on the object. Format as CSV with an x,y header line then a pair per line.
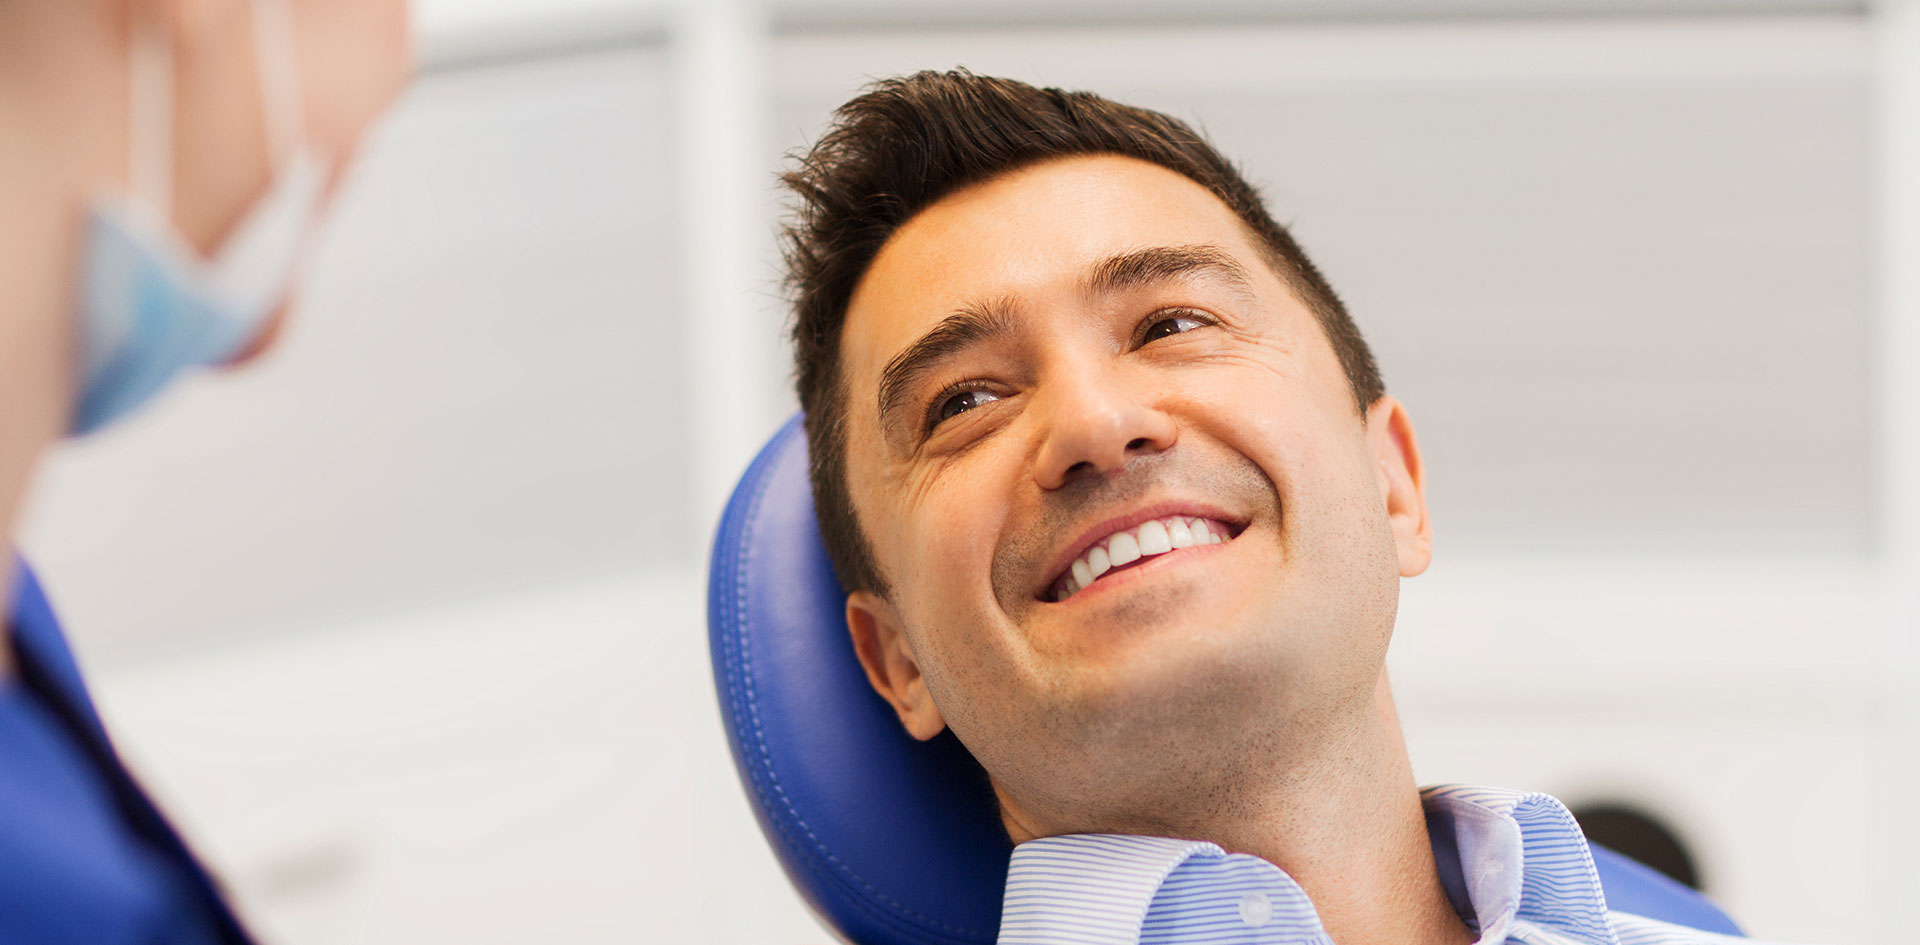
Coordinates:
x,y
976,323
1155,264
961,330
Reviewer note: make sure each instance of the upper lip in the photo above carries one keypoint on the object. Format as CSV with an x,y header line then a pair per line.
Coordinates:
x,y
1092,535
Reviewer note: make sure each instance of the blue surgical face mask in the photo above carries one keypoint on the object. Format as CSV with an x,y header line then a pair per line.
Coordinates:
x,y
150,307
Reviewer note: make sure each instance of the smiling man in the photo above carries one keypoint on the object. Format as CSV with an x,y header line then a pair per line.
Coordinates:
x,y
1119,498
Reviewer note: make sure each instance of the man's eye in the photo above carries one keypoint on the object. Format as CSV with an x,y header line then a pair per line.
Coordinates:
x,y
958,403
1171,325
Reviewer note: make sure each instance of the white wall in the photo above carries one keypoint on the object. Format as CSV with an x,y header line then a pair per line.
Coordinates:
x,y
535,766
405,623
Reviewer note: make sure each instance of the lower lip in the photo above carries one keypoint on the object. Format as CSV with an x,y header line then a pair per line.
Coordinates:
x,y
1152,565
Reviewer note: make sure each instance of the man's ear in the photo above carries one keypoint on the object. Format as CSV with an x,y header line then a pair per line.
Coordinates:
x,y
1403,482
881,644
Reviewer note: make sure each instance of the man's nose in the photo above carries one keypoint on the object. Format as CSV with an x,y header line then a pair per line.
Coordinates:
x,y
1095,424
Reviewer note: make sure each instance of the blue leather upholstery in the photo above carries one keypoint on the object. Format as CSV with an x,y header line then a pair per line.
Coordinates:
x,y
1631,886
892,841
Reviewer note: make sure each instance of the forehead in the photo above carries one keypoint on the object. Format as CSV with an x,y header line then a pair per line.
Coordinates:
x,y
1027,235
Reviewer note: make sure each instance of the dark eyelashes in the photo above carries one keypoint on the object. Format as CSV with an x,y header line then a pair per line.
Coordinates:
x,y
1167,314
931,416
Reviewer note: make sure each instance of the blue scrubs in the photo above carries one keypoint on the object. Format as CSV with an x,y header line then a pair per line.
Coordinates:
x,y
85,858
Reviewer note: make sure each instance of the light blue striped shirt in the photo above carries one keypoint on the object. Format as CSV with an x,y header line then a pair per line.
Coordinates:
x,y
1097,889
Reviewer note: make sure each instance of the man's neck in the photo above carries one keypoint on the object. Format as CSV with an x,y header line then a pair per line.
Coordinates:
x,y
1350,829
1343,818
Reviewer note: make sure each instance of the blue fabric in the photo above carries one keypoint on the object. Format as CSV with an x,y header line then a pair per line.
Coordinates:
x,y
892,841
1630,886
1521,870
84,856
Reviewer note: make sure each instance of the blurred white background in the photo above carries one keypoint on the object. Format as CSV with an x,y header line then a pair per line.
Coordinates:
x,y
406,627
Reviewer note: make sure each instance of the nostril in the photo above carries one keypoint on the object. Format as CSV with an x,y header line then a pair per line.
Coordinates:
x,y
1080,468
1138,444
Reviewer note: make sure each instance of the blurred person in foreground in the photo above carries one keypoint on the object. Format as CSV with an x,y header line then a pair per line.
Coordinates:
x,y
163,166
1119,497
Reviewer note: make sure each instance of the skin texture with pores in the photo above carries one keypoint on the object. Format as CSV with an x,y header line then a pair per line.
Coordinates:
x,y
1113,346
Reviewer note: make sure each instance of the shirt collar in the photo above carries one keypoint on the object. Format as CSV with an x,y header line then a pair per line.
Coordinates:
x,y
1063,889
1497,832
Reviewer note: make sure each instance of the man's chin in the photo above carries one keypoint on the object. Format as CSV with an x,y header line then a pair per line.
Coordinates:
x,y
1122,759
1178,682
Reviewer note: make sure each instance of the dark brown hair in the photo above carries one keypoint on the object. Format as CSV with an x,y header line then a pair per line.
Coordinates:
x,y
906,143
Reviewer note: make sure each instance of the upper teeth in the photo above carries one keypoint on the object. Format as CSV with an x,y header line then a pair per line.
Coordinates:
x,y
1154,537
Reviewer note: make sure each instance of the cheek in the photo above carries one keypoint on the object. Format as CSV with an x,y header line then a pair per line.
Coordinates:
x,y
1299,425
1258,413
952,518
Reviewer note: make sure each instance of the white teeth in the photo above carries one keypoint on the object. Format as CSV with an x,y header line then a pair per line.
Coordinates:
x,y
1179,535
1154,540
1155,537
1098,563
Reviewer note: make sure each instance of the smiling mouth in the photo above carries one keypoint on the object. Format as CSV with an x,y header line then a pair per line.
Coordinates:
x,y
1130,547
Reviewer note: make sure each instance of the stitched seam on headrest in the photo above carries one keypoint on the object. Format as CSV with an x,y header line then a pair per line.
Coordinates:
x,y
746,689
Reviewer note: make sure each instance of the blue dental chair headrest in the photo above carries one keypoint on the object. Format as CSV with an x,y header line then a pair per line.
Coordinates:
x,y
890,840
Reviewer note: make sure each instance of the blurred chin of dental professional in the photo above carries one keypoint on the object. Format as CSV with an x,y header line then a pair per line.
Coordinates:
x,y
164,167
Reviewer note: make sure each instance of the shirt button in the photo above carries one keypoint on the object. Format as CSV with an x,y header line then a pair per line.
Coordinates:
x,y
1256,909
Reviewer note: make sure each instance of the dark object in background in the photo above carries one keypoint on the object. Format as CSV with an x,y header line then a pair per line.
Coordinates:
x,y
1629,829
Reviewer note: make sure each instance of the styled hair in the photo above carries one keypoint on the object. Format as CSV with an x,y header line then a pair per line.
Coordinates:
x,y
907,142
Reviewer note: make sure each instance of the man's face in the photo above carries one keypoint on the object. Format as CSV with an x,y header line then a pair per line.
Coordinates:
x,y
1085,360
